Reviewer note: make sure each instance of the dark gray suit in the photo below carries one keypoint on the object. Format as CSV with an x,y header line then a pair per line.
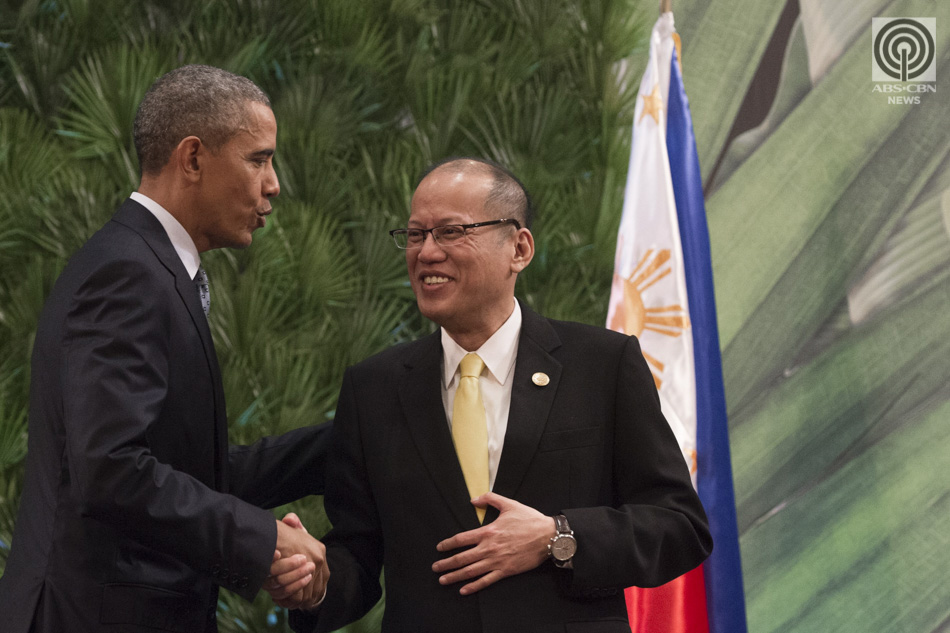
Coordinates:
x,y
134,508
591,444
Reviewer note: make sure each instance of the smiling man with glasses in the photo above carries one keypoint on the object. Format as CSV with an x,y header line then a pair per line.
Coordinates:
x,y
512,473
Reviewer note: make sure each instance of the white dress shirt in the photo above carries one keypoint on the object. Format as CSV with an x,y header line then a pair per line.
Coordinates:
x,y
498,353
184,245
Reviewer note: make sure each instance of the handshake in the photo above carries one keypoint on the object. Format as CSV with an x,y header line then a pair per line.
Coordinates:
x,y
298,574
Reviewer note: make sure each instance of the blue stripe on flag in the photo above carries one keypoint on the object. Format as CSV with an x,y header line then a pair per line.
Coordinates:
x,y
725,603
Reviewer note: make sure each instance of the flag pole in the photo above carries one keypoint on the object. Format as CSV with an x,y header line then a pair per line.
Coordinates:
x,y
666,6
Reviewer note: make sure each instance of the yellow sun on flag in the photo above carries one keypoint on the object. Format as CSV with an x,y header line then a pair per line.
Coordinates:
x,y
631,315
652,104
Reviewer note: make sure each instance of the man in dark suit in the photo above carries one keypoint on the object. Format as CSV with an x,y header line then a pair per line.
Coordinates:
x,y
589,490
134,508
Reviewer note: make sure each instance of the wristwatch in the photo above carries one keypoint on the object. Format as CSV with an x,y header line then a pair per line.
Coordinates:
x,y
563,544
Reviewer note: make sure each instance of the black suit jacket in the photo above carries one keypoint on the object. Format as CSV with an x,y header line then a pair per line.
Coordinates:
x,y
134,509
591,444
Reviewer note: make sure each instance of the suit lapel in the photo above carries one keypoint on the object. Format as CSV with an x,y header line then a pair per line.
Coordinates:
x,y
419,394
141,220
530,403
189,295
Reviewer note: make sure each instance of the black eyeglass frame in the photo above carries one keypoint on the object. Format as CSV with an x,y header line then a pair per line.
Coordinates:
x,y
464,227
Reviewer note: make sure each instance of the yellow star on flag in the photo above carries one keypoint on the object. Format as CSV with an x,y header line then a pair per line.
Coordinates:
x,y
652,104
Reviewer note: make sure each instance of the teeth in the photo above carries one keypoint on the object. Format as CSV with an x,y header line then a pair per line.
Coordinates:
x,y
434,280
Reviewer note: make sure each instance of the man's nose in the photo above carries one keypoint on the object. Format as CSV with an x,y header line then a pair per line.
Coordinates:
x,y
430,249
271,185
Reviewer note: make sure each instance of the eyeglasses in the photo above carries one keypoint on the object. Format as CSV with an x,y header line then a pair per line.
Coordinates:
x,y
448,235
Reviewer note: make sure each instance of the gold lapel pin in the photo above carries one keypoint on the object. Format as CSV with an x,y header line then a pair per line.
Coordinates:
x,y
541,379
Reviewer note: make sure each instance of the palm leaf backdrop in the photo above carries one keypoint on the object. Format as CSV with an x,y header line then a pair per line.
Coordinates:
x,y
831,245
366,94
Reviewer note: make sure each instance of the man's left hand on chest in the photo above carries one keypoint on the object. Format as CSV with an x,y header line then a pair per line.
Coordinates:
x,y
516,542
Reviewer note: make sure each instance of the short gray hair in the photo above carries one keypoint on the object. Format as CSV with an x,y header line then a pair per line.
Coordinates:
x,y
508,195
193,100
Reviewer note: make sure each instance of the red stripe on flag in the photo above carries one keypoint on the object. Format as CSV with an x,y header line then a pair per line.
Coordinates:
x,y
679,606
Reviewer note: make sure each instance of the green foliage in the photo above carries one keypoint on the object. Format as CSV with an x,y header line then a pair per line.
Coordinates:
x,y
366,94
829,231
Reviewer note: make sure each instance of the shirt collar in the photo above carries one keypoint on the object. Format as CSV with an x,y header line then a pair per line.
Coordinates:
x,y
184,245
498,352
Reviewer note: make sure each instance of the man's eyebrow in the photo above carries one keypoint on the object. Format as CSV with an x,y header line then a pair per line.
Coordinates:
x,y
443,222
261,153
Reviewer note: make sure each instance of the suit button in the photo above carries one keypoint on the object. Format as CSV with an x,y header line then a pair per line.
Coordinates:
x,y
243,583
235,579
215,569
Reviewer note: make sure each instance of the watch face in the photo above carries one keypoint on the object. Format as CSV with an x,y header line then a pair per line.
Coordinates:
x,y
563,548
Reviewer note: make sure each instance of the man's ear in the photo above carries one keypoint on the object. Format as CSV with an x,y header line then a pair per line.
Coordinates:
x,y
188,157
524,250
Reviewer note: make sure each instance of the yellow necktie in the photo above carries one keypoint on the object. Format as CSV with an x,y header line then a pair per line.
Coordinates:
x,y
469,429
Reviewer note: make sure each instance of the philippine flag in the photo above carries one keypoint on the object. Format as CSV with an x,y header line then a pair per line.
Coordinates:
x,y
662,292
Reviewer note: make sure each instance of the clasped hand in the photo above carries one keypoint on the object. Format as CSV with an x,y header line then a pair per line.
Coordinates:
x,y
515,542
298,574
